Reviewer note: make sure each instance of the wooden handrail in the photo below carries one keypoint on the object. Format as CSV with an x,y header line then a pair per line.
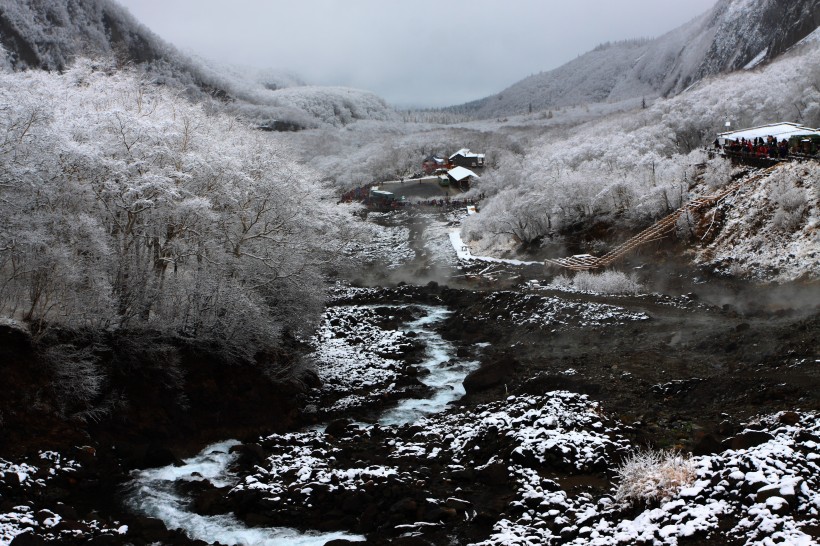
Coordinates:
x,y
655,232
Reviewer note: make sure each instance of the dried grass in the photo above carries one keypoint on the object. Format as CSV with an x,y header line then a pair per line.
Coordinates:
x,y
653,476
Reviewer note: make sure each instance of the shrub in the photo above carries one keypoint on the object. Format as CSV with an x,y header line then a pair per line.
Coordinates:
x,y
78,376
653,476
606,282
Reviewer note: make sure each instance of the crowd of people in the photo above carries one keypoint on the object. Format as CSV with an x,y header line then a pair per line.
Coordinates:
x,y
758,147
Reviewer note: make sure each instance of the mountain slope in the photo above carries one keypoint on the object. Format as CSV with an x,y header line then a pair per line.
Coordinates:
x,y
50,34
735,34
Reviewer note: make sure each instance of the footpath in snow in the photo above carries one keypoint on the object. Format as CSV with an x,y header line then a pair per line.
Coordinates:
x,y
463,253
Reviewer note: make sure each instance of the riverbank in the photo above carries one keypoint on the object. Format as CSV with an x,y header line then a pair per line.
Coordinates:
x,y
682,372
654,370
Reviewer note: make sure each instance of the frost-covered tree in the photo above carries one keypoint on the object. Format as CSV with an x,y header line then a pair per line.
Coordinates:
x,y
637,166
124,205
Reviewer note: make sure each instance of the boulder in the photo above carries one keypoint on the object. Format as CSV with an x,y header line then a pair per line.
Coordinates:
x,y
410,541
337,428
27,538
493,474
250,454
747,439
157,456
150,529
491,374
705,444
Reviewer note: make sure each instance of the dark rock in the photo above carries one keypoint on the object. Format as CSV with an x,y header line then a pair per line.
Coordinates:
x,y
14,338
463,352
485,518
778,505
353,503
337,428
463,475
705,444
725,428
747,439
105,540
459,504
790,418
73,527
493,474
250,454
441,513
255,519
369,519
310,379
410,541
789,494
65,511
209,502
494,373
151,529
405,506
27,538
157,456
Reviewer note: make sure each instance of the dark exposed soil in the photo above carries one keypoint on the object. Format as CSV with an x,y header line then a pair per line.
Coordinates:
x,y
687,377
692,370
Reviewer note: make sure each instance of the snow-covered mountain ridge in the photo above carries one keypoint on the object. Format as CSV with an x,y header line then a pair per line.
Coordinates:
x,y
734,35
51,34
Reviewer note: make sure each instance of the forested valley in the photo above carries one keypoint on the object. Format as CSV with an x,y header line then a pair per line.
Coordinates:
x,y
192,261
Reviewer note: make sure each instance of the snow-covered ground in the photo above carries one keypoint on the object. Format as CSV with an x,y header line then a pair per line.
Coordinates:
x,y
772,228
553,312
360,362
761,495
388,246
32,480
463,252
153,493
357,360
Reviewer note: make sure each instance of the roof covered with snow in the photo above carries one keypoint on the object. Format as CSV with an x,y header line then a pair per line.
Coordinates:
x,y
780,131
465,152
460,173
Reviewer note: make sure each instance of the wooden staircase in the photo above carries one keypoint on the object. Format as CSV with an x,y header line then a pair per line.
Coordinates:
x,y
657,231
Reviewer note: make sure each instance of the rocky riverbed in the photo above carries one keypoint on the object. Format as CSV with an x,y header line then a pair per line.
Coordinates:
x,y
560,389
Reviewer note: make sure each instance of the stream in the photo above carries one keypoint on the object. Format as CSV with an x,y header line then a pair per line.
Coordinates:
x,y
153,492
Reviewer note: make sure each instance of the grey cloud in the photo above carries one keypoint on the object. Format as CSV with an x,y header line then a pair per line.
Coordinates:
x,y
420,52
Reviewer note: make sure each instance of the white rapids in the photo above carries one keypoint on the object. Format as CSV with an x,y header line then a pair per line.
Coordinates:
x,y
445,377
153,493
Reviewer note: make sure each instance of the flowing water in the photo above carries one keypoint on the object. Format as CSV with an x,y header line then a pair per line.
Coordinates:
x,y
446,372
153,492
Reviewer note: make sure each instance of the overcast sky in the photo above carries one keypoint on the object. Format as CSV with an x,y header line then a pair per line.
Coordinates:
x,y
410,52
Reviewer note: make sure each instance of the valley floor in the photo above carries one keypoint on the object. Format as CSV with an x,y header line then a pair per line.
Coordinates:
x,y
569,385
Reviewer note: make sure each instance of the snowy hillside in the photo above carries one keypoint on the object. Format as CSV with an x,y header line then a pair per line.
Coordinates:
x,y
51,34
770,230
735,34
648,164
